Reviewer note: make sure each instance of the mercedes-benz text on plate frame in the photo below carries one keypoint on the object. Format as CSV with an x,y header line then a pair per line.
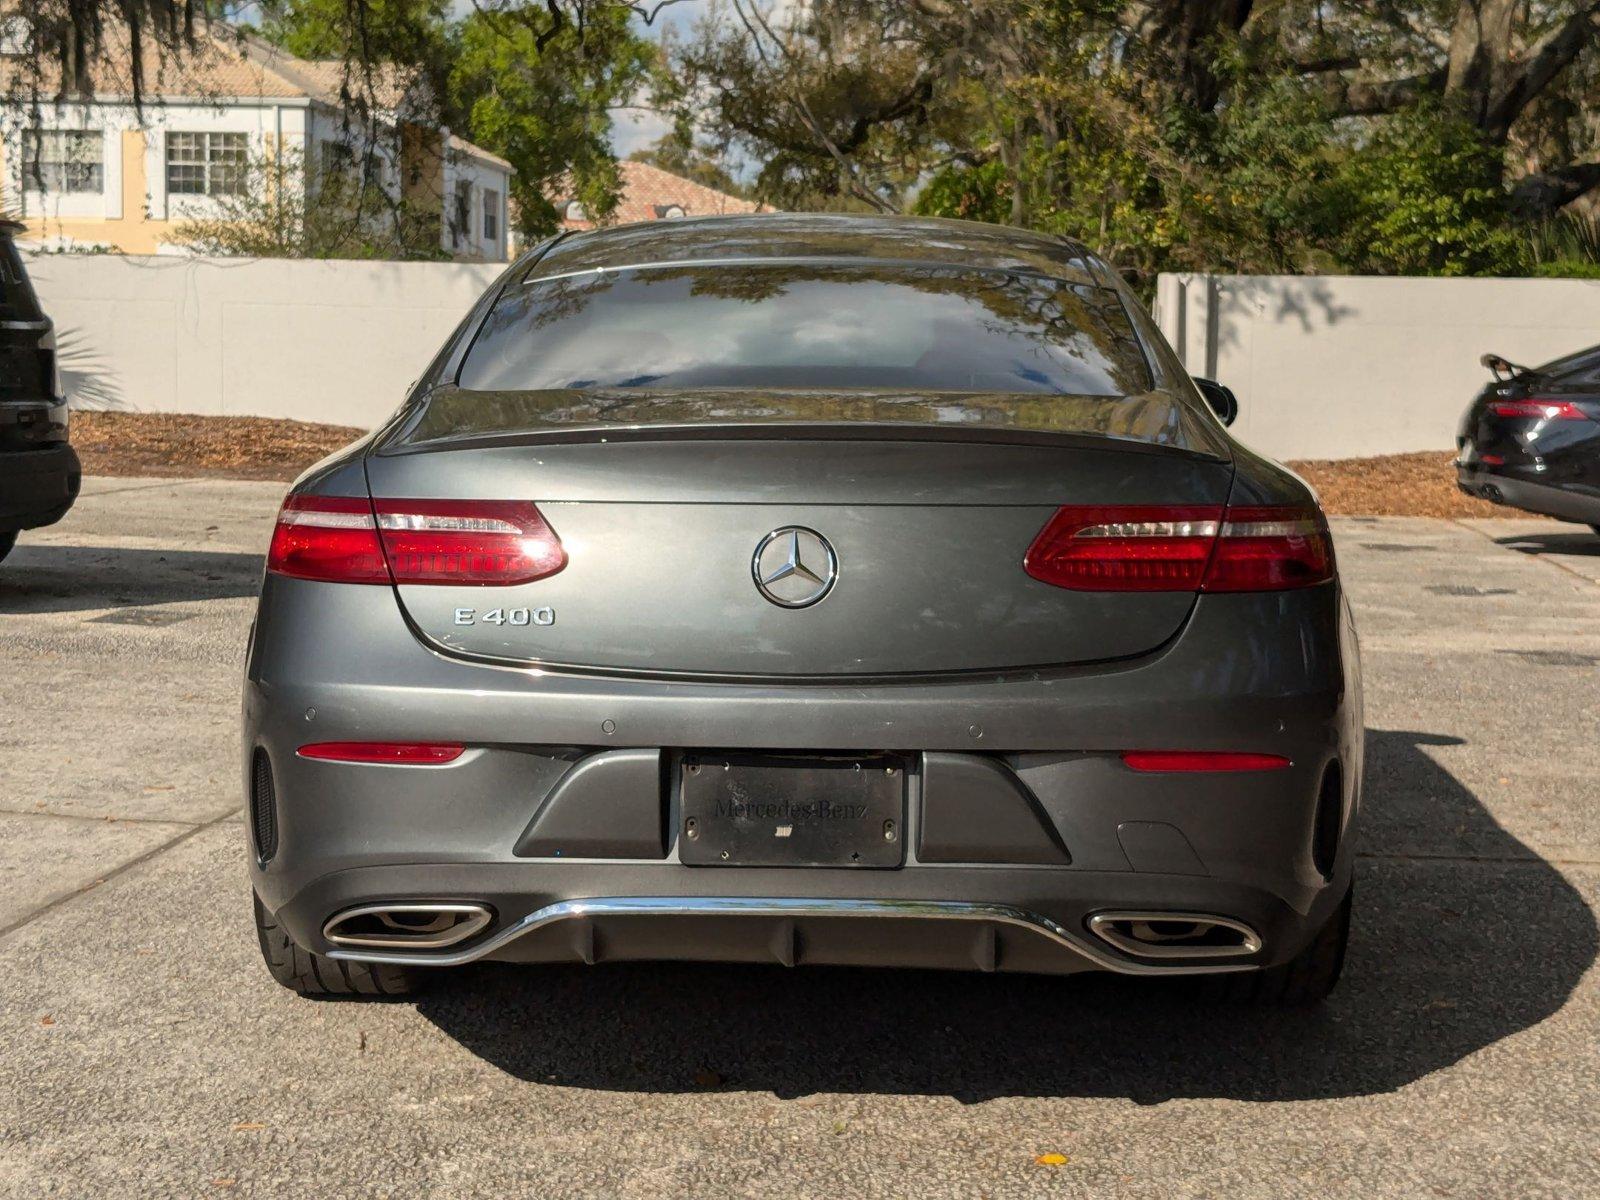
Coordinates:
x,y
795,567
809,589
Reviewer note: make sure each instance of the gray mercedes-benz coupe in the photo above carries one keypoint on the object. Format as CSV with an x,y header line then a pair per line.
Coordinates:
x,y
804,589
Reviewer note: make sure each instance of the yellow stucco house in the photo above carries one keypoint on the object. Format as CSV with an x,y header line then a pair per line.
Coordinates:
x,y
100,174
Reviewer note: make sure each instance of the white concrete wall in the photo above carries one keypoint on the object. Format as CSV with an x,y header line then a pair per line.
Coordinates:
x,y
1324,366
1348,366
316,341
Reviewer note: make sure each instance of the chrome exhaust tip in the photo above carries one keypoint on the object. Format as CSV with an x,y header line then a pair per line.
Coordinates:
x,y
407,926
1175,934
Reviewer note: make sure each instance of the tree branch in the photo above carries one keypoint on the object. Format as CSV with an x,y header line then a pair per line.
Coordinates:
x,y
803,110
1396,18
557,20
1545,61
1328,64
1371,98
648,13
1537,197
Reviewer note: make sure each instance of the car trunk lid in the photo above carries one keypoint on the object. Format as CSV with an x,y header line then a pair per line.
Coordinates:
x,y
928,529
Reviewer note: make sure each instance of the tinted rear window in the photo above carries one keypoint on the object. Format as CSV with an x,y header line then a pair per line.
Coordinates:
x,y
741,325
1584,362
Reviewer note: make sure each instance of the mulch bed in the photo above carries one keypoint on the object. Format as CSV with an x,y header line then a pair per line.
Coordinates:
x,y
120,443
1396,485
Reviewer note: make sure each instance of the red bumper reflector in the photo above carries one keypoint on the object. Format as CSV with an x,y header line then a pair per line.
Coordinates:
x,y
1201,760
402,753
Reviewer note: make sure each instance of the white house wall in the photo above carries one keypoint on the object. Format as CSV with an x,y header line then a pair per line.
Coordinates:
x,y
108,219
480,174
274,123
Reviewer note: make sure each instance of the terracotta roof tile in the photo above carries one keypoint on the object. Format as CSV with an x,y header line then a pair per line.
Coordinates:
x,y
225,62
649,193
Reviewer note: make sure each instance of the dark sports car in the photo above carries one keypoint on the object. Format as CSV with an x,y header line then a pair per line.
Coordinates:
x,y
1531,438
804,589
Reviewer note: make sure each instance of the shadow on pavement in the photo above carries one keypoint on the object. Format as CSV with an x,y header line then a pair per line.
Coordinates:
x,y
1448,956
1581,542
62,578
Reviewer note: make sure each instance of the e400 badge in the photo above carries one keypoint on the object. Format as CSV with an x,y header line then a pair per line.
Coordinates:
x,y
506,616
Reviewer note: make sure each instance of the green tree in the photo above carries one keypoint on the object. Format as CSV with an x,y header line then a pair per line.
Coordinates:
x,y
535,83
1412,135
1426,199
541,95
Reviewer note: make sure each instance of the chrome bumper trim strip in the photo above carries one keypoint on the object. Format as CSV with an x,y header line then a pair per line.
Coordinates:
x,y
788,907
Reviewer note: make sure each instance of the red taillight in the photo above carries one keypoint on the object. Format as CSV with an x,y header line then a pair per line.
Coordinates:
x,y
1539,410
475,542
327,538
1161,548
467,541
1129,548
1201,760
1270,550
400,753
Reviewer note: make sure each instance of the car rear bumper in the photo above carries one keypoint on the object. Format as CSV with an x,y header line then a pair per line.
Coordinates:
x,y
1567,503
963,918
1021,821
37,486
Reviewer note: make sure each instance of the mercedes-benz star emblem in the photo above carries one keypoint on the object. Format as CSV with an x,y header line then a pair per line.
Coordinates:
x,y
794,566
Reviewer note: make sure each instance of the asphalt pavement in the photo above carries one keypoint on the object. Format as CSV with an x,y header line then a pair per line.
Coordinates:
x,y
145,1052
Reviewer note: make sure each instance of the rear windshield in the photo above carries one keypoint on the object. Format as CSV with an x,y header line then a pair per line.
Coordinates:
x,y
1585,362
782,326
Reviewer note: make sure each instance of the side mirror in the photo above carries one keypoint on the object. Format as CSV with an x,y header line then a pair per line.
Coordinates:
x,y
1221,399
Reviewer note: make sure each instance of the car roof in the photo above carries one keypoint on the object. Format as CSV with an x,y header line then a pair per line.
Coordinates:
x,y
833,237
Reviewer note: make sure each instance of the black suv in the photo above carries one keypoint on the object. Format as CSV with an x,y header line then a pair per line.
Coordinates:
x,y
39,471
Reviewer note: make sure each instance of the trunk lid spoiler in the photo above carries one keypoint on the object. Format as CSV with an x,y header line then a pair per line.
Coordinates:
x,y
450,417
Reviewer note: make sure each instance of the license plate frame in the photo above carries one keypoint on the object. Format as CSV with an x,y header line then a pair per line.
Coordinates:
x,y
792,810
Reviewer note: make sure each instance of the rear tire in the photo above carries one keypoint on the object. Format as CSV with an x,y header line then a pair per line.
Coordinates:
x,y
310,974
1305,979
7,541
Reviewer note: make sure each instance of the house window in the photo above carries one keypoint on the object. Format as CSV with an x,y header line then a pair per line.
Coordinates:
x,y
61,161
461,223
339,162
670,212
491,216
207,164
16,37
575,211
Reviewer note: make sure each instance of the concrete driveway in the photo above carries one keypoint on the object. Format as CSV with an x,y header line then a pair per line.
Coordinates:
x,y
144,1050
